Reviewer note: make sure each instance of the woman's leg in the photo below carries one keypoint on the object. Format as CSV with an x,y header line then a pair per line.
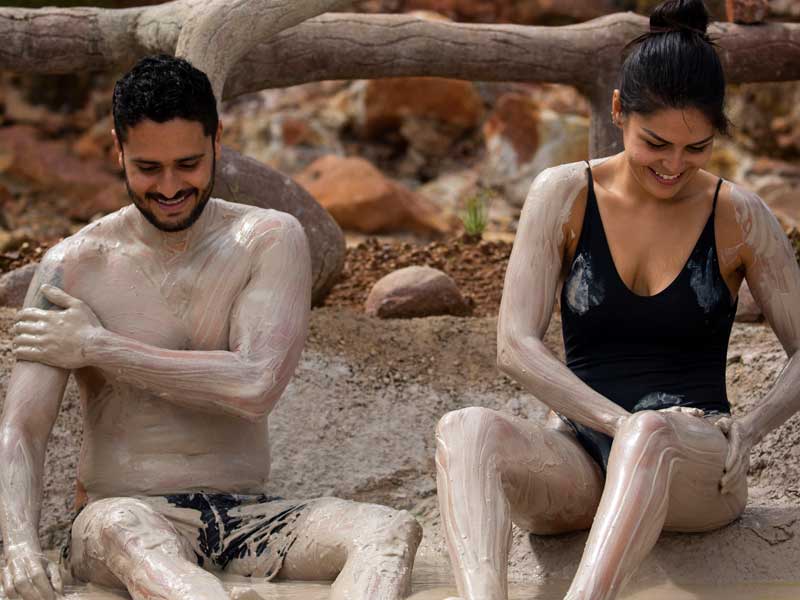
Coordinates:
x,y
492,469
663,472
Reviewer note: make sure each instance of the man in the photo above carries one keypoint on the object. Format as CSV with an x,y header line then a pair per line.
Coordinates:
x,y
182,317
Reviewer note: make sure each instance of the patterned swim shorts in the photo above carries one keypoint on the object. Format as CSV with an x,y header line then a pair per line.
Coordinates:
x,y
247,535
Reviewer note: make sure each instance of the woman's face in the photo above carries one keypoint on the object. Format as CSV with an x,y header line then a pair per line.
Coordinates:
x,y
664,150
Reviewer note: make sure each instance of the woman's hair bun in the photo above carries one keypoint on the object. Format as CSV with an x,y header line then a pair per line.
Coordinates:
x,y
680,15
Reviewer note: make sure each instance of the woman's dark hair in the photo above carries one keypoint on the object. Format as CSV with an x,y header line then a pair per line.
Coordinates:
x,y
162,88
675,65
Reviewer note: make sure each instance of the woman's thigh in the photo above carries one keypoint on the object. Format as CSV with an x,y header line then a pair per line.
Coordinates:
x,y
551,482
695,500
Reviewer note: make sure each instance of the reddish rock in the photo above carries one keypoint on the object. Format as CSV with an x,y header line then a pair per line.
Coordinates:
x,y
388,103
360,198
49,164
522,139
748,311
14,285
747,12
415,292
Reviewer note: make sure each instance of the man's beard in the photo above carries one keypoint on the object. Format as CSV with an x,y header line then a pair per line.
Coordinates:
x,y
203,197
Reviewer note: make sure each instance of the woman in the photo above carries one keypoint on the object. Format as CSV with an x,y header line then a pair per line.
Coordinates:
x,y
650,251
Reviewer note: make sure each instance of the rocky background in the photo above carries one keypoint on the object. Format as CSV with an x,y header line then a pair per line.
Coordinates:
x,y
398,163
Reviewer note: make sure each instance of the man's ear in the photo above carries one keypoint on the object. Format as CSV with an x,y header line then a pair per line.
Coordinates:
x,y
218,139
117,148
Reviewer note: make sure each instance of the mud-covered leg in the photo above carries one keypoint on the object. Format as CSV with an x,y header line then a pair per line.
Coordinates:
x,y
493,469
368,549
663,472
122,542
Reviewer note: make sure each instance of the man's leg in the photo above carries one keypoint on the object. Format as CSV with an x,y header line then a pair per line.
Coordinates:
x,y
122,542
368,549
663,473
492,469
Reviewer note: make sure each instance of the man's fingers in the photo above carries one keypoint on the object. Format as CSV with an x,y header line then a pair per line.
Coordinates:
x,y
22,583
40,581
31,327
8,584
58,297
26,339
54,575
33,314
28,353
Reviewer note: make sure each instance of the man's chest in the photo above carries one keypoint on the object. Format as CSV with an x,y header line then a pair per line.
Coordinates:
x,y
179,304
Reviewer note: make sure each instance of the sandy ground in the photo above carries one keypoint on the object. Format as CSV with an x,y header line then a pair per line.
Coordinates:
x,y
358,420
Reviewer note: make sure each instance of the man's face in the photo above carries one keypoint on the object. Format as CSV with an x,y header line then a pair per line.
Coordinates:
x,y
169,170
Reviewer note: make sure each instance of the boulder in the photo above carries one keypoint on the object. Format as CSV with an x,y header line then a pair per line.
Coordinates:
x,y
383,105
14,285
51,165
748,310
415,292
523,139
747,12
360,198
767,118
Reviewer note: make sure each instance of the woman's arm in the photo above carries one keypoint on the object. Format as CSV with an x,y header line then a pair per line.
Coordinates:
x,y
529,292
774,278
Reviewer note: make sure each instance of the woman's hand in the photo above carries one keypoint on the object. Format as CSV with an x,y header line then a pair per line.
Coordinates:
x,y
740,442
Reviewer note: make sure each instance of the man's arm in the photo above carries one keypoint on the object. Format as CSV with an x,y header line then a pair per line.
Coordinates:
x,y
774,278
528,295
31,405
269,322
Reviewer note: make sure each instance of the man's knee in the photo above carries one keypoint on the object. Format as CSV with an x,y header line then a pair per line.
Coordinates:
x,y
122,524
389,529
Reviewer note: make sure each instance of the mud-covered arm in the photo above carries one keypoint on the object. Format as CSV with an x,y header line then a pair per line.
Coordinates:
x,y
269,323
528,296
31,405
774,278
268,326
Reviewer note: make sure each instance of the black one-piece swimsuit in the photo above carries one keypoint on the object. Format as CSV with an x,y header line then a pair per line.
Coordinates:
x,y
645,352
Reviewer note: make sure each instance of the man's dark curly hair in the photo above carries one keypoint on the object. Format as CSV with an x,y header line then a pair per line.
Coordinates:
x,y
162,88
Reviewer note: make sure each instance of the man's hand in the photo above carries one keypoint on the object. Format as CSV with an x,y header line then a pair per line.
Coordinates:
x,y
58,338
29,575
738,460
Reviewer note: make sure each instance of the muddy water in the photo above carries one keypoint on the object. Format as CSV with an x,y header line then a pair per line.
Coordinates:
x,y
434,583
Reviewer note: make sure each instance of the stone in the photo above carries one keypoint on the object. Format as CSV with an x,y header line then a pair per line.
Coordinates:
x,y
748,310
360,198
747,12
767,118
14,285
415,292
522,139
51,165
385,104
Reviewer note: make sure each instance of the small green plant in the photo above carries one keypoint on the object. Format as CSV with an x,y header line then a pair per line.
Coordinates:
x,y
475,217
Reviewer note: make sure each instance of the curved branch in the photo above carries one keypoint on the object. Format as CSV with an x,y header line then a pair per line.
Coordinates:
x,y
216,35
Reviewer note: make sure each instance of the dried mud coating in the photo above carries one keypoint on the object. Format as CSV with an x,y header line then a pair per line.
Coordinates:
x,y
181,344
668,469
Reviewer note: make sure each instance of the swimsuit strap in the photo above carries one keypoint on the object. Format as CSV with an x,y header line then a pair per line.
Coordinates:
x,y
716,195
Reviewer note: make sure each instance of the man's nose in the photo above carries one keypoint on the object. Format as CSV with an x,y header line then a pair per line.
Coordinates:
x,y
169,184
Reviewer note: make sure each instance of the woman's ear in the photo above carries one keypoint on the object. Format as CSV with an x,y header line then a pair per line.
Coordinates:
x,y
616,109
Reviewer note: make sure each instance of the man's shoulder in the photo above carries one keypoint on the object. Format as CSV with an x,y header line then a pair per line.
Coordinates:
x,y
253,224
85,242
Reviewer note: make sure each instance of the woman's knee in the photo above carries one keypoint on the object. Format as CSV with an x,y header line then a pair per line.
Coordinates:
x,y
467,425
648,428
